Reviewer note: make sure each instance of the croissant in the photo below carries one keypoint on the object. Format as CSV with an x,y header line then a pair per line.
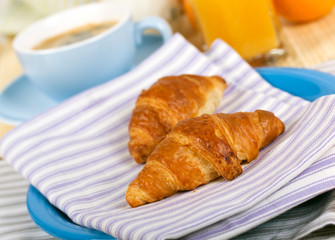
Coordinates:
x,y
168,101
199,150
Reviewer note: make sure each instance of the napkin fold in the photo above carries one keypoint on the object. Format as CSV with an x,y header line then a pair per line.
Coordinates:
x,y
76,154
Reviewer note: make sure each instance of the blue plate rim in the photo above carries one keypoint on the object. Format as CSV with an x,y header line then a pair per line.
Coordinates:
x,y
312,77
56,223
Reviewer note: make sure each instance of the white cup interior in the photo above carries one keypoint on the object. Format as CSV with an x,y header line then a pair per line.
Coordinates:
x,y
69,19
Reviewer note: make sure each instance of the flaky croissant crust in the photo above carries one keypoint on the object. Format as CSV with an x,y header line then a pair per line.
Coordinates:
x,y
168,101
199,150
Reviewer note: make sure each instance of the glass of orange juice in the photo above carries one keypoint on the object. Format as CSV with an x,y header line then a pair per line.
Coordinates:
x,y
251,27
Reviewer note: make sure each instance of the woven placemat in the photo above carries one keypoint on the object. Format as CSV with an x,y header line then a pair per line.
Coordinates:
x,y
308,44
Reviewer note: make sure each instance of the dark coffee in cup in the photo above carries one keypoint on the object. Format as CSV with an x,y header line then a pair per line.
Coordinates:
x,y
75,35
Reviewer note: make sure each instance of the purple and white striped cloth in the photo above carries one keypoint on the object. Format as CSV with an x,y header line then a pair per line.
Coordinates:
x,y
76,154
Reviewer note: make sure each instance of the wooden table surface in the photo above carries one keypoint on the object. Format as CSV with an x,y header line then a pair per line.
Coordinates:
x,y
307,45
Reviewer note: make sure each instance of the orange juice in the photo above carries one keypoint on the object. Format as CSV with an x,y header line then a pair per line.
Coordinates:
x,y
249,26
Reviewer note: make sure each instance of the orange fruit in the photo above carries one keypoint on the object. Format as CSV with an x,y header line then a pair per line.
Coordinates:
x,y
303,10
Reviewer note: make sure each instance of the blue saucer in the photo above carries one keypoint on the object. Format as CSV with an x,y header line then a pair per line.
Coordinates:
x,y
308,84
21,100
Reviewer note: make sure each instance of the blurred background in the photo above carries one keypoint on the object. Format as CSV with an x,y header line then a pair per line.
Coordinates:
x,y
306,27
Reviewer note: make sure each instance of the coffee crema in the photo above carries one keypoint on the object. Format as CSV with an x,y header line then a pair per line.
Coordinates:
x,y
75,35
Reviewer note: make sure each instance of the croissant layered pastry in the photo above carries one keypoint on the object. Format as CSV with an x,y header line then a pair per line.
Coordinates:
x,y
201,149
168,101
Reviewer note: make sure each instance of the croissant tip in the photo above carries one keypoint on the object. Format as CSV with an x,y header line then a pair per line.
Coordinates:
x,y
279,123
133,197
140,159
139,152
221,78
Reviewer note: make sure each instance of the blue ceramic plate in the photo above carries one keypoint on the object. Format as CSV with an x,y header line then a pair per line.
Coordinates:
x,y
305,83
308,84
55,222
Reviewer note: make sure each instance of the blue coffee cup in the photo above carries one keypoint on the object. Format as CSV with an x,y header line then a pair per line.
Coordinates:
x,y
64,71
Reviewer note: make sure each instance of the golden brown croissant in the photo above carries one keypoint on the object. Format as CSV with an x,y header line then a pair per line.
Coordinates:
x,y
168,101
199,150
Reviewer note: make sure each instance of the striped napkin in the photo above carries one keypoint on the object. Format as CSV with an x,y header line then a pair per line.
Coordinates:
x,y
76,154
